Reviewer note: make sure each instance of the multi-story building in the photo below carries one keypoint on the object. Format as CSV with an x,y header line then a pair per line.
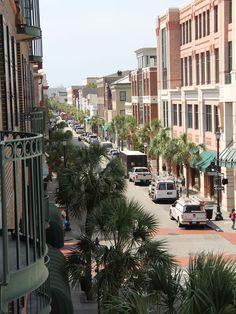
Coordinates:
x,y
120,93
73,95
23,258
196,83
58,93
104,92
144,87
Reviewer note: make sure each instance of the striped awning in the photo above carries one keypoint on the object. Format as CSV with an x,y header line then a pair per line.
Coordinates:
x,y
228,156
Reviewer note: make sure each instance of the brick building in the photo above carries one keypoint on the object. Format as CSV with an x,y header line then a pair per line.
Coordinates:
x,y
144,87
196,82
23,259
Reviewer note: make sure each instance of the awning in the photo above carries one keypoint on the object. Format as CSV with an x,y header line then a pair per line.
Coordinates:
x,y
228,157
206,158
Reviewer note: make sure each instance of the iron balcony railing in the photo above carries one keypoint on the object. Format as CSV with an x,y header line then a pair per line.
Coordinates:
x,y
38,301
36,51
30,11
28,20
35,121
22,205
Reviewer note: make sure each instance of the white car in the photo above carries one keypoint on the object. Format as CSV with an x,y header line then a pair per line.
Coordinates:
x,y
162,188
188,211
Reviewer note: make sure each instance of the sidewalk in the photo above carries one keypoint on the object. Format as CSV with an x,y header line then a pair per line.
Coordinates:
x,y
78,299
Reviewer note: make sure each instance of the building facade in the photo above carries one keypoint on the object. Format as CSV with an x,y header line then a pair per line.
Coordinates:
x,y
195,82
104,93
144,87
120,93
73,95
23,259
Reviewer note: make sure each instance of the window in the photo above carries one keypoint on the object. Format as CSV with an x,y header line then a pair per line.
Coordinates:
x,y
204,24
164,58
186,31
190,30
200,26
196,118
196,27
230,11
186,71
203,67
190,70
215,18
208,64
183,33
217,66
165,113
182,71
216,117
175,114
208,22
190,117
122,96
208,118
180,115
197,70
230,56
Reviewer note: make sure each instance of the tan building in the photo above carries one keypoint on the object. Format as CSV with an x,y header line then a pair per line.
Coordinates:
x,y
196,82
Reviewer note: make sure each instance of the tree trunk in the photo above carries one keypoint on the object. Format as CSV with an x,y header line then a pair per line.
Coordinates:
x,y
157,160
187,179
122,145
88,285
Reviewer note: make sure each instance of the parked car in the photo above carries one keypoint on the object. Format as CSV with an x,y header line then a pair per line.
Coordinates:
x,y
140,175
188,211
92,137
108,145
163,188
94,141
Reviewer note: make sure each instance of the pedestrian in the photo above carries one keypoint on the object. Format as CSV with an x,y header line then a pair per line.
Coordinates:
x,y
232,216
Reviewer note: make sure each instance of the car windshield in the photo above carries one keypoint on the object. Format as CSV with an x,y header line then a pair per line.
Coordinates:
x,y
162,186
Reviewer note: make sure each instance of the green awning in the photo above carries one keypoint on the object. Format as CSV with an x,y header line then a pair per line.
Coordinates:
x,y
206,158
228,157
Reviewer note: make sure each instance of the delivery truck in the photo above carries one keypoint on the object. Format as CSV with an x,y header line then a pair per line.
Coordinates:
x,y
131,159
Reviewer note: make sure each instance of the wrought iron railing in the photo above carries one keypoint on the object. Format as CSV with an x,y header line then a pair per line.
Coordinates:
x,y
30,11
35,302
36,50
35,121
22,217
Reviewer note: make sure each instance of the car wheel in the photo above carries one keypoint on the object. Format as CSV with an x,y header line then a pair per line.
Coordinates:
x,y
171,217
179,224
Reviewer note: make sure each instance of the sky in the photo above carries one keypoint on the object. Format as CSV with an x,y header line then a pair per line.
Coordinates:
x,y
84,38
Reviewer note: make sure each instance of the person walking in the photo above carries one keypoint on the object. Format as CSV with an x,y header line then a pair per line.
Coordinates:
x,y
232,216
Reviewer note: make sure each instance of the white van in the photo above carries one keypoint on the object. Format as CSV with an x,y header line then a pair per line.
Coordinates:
x,y
188,211
163,188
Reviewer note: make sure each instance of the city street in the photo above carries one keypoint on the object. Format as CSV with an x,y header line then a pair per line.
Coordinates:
x,y
184,241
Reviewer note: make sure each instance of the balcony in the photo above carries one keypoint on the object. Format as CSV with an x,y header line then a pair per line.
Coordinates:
x,y
35,121
22,217
28,20
36,52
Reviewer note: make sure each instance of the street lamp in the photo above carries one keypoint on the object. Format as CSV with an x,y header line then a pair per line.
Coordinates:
x,y
96,242
218,178
67,226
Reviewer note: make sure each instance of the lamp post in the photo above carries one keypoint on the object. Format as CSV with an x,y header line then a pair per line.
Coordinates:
x,y
67,226
96,242
218,210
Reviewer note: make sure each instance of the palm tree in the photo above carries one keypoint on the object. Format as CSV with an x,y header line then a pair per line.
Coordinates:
x,y
186,154
158,144
210,286
170,148
85,184
132,131
131,250
96,122
120,124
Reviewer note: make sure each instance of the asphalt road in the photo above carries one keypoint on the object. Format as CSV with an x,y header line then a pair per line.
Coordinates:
x,y
182,242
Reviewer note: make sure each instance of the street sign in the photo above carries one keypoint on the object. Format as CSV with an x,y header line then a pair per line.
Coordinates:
x,y
215,174
212,173
219,188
